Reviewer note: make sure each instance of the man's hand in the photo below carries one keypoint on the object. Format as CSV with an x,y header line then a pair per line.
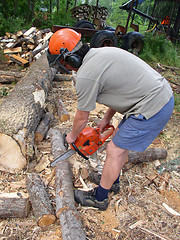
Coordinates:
x,y
70,138
106,120
102,124
80,121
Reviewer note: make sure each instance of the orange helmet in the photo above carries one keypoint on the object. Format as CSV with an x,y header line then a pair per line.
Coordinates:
x,y
63,38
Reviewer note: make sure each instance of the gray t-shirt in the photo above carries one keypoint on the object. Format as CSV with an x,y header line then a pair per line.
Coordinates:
x,y
121,81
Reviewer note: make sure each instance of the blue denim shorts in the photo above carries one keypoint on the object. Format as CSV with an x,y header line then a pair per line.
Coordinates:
x,y
137,133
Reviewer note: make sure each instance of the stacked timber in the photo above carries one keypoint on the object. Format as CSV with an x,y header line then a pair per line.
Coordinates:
x,y
25,46
88,12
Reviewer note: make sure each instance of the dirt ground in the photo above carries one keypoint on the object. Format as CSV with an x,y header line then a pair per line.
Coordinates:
x,y
142,209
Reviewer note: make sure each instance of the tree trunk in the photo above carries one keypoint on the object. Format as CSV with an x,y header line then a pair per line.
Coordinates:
x,y
40,201
57,6
65,205
23,108
177,24
14,205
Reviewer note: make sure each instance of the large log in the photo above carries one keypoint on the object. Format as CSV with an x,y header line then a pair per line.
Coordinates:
x,y
14,205
40,201
65,205
22,110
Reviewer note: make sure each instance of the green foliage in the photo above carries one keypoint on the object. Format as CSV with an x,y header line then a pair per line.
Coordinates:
x,y
159,49
63,18
12,24
177,102
4,92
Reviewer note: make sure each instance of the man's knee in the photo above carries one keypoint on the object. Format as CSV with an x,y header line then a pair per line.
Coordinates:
x,y
113,150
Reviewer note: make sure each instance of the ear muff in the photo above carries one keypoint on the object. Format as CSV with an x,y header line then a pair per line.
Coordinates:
x,y
73,60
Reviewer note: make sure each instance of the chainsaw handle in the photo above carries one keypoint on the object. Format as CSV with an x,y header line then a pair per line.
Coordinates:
x,y
79,152
64,141
107,132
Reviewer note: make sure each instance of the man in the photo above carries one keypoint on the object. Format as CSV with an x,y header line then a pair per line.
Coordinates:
x,y
126,84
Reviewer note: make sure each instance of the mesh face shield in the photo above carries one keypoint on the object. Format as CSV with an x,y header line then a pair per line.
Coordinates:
x,y
55,60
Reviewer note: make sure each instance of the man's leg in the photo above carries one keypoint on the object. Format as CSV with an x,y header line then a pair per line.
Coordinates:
x,y
115,160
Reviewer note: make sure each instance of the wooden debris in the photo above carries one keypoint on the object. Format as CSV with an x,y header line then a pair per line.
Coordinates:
x,y
20,61
44,162
85,11
14,205
43,127
63,77
40,201
169,209
62,111
172,165
23,48
153,233
65,205
14,50
30,31
50,177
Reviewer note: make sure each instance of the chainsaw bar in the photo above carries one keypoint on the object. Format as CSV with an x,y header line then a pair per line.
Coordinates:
x,y
64,156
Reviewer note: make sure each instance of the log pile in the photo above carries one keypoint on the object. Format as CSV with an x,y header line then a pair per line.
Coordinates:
x,y
25,46
88,12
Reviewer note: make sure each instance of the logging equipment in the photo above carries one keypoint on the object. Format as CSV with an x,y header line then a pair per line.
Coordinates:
x,y
62,47
87,142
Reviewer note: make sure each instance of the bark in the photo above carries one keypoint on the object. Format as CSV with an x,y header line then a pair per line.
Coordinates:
x,y
65,205
43,127
64,77
40,201
151,154
15,205
57,145
22,110
9,77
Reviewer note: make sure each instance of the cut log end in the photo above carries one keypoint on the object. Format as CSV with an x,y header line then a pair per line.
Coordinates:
x,y
64,118
46,220
11,157
60,211
38,137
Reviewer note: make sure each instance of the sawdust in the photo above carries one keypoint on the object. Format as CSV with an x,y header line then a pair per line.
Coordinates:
x,y
139,202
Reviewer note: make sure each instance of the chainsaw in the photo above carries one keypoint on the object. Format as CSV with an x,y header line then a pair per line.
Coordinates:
x,y
87,142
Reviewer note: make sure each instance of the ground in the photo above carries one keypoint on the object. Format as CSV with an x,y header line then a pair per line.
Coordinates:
x,y
137,212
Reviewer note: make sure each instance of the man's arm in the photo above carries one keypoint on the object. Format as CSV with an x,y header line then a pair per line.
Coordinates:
x,y
79,123
107,118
